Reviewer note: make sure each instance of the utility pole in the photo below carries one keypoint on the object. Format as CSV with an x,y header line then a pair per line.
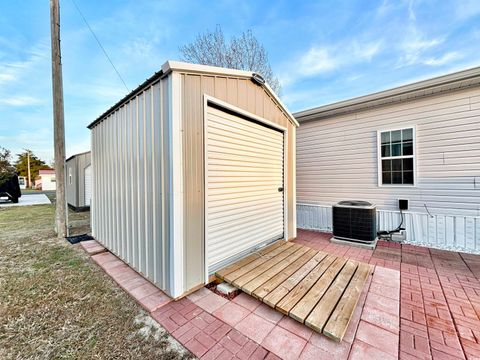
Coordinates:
x,y
29,184
58,121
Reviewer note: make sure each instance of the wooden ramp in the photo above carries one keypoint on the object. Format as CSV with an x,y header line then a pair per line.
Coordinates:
x,y
312,287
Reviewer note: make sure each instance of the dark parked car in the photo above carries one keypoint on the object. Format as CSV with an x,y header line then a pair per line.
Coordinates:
x,y
9,186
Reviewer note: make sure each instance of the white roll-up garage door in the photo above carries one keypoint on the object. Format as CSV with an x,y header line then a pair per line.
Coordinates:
x,y
88,185
244,195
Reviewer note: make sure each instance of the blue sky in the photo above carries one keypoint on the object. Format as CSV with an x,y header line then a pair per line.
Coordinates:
x,y
322,51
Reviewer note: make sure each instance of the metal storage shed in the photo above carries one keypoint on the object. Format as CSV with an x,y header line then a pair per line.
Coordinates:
x,y
79,181
192,170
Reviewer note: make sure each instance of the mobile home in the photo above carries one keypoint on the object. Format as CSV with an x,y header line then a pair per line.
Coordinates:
x,y
419,142
192,170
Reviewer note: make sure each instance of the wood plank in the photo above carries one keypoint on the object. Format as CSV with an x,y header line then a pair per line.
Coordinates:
x,y
337,324
246,260
274,270
257,271
310,259
325,270
283,289
322,311
257,262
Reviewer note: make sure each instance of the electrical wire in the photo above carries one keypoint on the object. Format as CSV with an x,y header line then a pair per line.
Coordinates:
x,y
401,222
100,44
428,212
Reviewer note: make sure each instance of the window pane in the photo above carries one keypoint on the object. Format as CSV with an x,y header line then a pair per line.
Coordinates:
x,y
396,177
397,165
386,165
408,148
396,136
407,134
385,150
386,137
408,177
386,177
396,149
407,164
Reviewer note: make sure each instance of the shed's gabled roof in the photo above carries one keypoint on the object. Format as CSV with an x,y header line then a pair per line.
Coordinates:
x,y
170,66
441,84
75,155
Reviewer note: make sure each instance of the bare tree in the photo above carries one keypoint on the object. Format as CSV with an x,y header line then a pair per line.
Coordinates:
x,y
244,52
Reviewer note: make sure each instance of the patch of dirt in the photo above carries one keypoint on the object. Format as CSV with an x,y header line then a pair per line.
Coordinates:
x,y
213,287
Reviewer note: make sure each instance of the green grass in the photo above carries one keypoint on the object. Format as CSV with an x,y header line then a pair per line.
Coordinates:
x,y
56,303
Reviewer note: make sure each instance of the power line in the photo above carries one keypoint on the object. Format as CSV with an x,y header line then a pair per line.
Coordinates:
x,y
100,44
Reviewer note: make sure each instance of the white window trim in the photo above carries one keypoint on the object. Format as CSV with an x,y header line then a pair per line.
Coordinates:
x,y
414,156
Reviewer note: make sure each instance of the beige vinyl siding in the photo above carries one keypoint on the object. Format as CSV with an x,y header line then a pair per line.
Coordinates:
x,y
130,182
337,156
239,92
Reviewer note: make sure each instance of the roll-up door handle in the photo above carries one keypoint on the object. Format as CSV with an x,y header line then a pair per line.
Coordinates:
x,y
280,189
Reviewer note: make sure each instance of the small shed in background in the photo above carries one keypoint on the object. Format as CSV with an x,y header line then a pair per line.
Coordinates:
x,y
192,170
79,181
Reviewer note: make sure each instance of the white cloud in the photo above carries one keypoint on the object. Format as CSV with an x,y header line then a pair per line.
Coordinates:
x,y
411,12
367,50
414,47
316,61
20,101
323,59
442,60
12,71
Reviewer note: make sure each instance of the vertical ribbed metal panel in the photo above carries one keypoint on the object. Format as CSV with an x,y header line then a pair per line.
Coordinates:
x,y
93,211
87,181
71,189
130,181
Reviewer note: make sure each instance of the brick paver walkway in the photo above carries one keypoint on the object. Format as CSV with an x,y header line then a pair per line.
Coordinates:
x,y
440,296
420,303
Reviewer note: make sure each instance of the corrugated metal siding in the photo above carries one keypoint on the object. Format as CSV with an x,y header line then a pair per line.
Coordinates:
x,y
76,190
130,183
238,92
244,173
71,189
87,196
337,157
460,233
83,160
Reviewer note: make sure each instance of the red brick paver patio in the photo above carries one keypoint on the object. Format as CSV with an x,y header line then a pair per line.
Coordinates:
x,y
420,303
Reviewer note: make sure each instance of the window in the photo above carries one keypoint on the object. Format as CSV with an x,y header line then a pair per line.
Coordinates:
x,y
397,157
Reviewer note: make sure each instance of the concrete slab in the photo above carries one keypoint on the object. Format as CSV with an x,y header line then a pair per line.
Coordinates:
x,y
370,246
26,200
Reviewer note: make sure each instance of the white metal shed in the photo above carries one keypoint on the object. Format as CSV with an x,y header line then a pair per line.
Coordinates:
x,y
78,181
192,170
